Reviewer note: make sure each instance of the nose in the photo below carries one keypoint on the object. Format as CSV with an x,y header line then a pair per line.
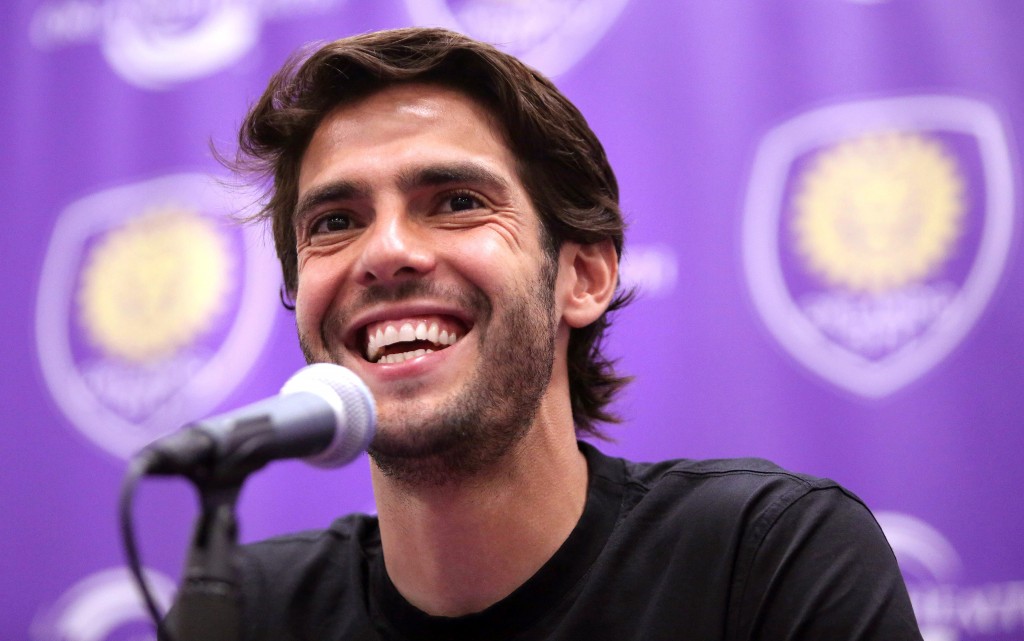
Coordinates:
x,y
395,248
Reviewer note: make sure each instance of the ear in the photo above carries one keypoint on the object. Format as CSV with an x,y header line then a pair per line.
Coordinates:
x,y
587,276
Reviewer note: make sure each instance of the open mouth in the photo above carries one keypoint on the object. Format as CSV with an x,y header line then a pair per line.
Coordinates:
x,y
395,341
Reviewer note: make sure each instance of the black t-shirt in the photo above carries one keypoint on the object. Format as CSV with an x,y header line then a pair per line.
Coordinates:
x,y
680,550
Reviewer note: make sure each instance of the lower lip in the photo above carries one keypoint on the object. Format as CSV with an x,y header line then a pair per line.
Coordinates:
x,y
412,366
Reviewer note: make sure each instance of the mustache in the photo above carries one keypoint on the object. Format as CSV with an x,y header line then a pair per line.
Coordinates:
x,y
470,298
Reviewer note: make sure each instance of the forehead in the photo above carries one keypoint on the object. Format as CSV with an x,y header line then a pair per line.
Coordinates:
x,y
400,124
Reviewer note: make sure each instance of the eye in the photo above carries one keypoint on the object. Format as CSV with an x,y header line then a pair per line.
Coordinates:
x,y
461,201
332,223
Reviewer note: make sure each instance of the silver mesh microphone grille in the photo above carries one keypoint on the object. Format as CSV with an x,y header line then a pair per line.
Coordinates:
x,y
354,409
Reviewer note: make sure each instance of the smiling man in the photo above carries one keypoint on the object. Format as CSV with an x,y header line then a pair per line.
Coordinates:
x,y
448,227
422,268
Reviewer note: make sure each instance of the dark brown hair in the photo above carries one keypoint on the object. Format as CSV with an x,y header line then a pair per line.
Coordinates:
x,y
560,161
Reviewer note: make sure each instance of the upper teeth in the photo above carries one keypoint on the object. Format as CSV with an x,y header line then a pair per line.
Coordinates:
x,y
389,335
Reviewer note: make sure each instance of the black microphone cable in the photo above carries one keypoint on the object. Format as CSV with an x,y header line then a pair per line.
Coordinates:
x,y
137,469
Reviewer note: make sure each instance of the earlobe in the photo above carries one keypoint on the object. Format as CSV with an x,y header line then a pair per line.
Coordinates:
x,y
591,272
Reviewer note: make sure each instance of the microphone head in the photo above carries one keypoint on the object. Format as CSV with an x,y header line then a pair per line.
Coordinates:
x,y
353,405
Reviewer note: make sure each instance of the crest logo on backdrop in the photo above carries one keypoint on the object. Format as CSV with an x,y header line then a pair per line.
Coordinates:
x,y
152,307
105,606
549,35
875,233
945,607
155,45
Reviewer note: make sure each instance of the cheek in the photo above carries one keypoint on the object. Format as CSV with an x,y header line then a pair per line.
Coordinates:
x,y
488,263
316,290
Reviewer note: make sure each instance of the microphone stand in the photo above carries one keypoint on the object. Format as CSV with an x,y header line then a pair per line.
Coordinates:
x,y
208,606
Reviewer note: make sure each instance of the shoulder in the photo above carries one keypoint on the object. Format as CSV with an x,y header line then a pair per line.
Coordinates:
x,y
734,503
737,474
762,540
751,488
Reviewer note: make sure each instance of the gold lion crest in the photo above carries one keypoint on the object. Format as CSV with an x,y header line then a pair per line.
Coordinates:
x,y
155,284
879,212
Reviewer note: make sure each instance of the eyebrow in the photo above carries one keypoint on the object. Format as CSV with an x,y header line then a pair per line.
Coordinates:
x,y
409,180
328,193
446,174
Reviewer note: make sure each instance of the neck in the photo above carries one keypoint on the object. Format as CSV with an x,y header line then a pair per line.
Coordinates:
x,y
456,549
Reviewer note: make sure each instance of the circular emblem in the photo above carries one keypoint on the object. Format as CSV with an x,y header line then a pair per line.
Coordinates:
x,y
879,212
154,285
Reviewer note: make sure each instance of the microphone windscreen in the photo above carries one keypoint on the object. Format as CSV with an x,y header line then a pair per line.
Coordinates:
x,y
353,405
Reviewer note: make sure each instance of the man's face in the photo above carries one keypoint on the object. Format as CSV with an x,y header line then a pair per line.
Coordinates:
x,y
421,268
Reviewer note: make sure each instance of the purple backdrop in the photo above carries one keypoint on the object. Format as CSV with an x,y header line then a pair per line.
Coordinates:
x,y
824,229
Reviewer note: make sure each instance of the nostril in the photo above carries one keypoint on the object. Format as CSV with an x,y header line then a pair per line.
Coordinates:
x,y
406,270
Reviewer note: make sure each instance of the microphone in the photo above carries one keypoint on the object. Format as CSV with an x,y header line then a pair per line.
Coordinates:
x,y
324,414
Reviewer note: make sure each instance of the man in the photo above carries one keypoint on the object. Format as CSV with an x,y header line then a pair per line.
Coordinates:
x,y
448,228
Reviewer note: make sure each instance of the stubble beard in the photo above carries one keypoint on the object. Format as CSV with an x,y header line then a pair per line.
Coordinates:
x,y
423,444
